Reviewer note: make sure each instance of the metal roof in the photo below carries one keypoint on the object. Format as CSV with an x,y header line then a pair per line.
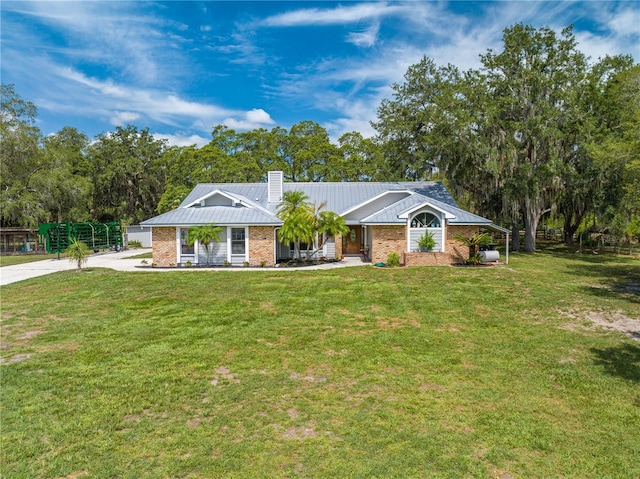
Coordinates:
x,y
222,215
339,197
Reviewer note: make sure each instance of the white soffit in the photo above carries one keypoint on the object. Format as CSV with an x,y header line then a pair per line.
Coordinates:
x,y
405,214
371,200
214,193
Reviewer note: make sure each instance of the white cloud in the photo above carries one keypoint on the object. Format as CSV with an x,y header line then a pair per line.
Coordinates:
x,y
256,118
334,16
626,23
258,115
120,118
179,139
365,39
121,104
110,34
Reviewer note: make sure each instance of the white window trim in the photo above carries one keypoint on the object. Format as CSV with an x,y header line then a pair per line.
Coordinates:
x,y
178,244
437,214
229,242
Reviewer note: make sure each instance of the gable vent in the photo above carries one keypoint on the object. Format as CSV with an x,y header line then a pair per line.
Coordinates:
x,y
275,186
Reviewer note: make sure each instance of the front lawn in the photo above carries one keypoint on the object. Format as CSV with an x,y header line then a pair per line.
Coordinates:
x,y
8,260
357,372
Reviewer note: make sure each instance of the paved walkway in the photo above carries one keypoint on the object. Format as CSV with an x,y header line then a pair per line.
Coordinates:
x,y
120,262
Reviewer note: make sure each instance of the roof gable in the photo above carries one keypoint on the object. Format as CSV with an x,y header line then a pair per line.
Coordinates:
x,y
366,203
214,198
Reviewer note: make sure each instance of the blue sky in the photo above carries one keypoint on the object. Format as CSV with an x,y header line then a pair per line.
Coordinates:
x,y
180,68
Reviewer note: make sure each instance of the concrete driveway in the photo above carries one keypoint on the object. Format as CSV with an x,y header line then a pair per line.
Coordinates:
x,y
119,261
108,259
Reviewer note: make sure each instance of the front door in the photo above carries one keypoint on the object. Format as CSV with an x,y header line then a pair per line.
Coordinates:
x,y
351,241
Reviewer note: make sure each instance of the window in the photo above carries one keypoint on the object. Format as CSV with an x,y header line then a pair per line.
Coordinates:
x,y
425,220
184,239
237,241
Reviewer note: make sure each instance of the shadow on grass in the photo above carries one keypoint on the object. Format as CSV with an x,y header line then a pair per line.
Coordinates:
x,y
622,361
620,281
614,276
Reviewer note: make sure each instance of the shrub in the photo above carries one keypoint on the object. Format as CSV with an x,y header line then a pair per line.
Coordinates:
x,y
473,242
393,259
134,244
78,252
427,242
475,259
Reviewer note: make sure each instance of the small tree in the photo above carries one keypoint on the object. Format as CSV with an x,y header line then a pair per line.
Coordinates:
x,y
205,235
297,214
475,240
330,223
78,252
297,228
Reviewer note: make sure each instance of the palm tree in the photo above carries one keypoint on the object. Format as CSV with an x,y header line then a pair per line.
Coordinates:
x,y
297,213
205,235
475,240
78,252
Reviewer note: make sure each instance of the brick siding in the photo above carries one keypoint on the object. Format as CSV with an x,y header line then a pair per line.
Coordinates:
x,y
454,252
261,245
386,239
453,247
338,243
164,246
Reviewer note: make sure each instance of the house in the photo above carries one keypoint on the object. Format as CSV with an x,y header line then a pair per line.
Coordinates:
x,y
383,217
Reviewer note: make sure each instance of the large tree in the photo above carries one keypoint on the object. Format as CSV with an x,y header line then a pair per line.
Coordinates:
x,y
129,174
617,152
359,159
508,135
67,189
21,162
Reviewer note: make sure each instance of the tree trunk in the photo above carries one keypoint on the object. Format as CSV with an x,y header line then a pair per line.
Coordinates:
x,y
515,232
532,214
570,227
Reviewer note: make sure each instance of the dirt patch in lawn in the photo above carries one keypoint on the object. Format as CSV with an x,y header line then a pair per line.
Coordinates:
x,y
223,376
18,358
613,320
300,433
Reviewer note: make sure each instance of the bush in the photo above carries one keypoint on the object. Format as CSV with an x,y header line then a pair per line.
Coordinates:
x,y
474,260
393,259
427,242
134,244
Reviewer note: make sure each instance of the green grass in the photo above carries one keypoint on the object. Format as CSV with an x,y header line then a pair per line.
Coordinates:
x,y
145,255
8,260
354,372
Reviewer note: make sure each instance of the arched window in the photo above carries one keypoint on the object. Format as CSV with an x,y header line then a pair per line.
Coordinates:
x,y
425,220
